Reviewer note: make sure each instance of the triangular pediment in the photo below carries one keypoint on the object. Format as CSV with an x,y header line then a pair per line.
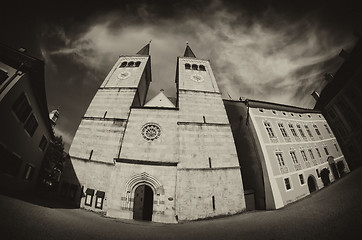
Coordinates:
x,y
160,100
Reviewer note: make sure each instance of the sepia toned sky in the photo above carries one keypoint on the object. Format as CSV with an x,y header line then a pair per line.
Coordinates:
x,y
266,50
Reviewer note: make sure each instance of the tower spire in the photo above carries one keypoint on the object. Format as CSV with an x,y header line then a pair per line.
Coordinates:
x,y
145,50
188,51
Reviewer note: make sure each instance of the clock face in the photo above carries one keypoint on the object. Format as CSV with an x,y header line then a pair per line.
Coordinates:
x,y
124,75
197,78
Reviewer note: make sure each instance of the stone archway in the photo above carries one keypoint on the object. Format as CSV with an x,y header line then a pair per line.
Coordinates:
x,y
312,184
140,192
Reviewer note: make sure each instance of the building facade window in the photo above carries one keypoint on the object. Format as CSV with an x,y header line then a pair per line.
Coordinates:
x,y
28,172
269,130
300,131
99,199
288,186
43,143
297,165
280,159
291,127
326,150
187,66
318,152
282,130
123,64
301,179
31,125
89,193
308,131
318,174
195,67
316,129
202,68
311,153
327,129
21,108
337,149
304,156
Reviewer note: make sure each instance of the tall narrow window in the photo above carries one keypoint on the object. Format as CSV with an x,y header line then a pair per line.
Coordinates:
x,y
213,203
21,108
327,129
269,129
89,193
316,129
28,172
304,156
291,127
308,131
31,125
294,157
287,184
300,131
326,150
318,174
280,159
335,145
311,153
210,163
318,152
43,143
301,179
99,199
282,130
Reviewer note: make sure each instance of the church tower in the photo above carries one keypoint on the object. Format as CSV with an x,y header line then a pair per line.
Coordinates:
x,y
156,161
208,172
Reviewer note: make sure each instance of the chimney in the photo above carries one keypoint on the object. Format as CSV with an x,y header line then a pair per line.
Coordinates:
x,y
315,94
328,77
343,54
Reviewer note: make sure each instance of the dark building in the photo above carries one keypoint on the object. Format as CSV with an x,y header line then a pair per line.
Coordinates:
x,y
340,102
25,128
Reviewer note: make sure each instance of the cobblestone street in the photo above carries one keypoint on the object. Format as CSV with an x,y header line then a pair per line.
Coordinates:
x,y
334,212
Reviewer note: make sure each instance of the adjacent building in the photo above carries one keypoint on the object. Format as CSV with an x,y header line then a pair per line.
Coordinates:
x,y
283,150
157,161
25,128
340,102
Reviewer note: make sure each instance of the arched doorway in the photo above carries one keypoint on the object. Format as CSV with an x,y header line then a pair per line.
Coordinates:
x,y
143,203
312,184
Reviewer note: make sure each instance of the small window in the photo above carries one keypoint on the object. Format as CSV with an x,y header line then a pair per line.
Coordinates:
x,y
187,66
318,174
309,116
301,179
300,131
284,113
31,125
316,129
130,64
89,196
292,114
43,143
137,64
304,156
327,128
326,150
123,64
28,172
3,76
294,157
318,152
337,149
308,131
300,115
202,68
269,129
287,184
261,110
311,153
282,130
291,127
99,199
21,108
274,112
280,159
194,67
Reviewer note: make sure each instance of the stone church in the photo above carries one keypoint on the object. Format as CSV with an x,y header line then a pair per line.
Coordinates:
x,y
158,160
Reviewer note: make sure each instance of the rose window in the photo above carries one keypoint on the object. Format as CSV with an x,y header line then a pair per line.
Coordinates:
x,y
151,131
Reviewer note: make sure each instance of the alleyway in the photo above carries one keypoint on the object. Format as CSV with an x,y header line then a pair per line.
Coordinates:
x,y
332,213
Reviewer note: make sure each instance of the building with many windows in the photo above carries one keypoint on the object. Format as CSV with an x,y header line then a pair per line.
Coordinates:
x,y
283,150
24,124
156,161
340,102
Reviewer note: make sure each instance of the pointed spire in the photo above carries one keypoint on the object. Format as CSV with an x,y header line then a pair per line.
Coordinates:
x,y
145,50
188,51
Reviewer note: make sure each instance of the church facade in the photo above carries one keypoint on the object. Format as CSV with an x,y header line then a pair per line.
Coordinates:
x,y
158,161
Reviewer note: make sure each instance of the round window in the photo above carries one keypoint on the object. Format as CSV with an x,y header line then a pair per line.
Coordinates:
x,y
151,131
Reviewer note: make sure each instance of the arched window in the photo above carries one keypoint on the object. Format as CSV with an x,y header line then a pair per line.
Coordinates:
x,y
123,64
131,64
194,67
137,64
202,68
187,66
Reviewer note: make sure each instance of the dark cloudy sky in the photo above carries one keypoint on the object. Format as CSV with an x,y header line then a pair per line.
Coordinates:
x,y
267,50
